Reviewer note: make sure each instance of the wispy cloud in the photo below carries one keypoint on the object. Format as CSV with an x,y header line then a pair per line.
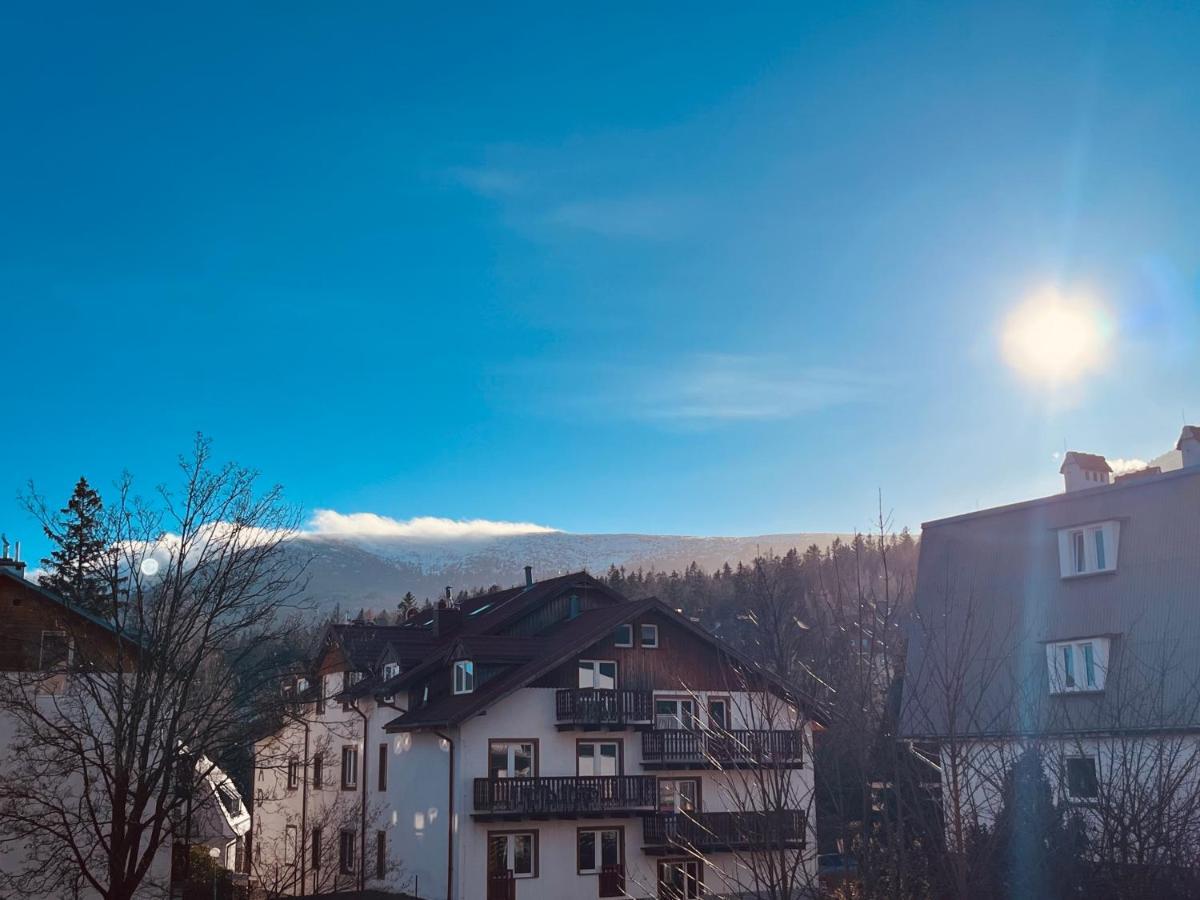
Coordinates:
x,y
330,523
700,390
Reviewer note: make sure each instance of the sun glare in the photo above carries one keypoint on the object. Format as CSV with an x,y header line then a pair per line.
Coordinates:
x,y
1056,339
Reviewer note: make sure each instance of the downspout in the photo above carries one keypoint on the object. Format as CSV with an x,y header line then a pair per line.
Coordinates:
x,y
362,806
449,819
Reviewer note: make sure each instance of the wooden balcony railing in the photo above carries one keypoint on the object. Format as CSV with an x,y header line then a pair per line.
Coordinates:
x,y
678,748
564,797
601,708
774,830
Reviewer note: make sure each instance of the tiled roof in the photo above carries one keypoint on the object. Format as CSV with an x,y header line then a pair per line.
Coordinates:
x,y
1091,462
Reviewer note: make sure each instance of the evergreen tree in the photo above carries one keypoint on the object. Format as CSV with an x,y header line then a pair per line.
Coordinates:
x,y
77,567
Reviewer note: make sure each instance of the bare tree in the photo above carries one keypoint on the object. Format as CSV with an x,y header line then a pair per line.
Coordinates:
x,y
93,781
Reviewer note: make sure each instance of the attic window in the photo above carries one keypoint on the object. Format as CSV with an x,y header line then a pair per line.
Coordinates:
x,y
623,636
1088,549
391,670
650,636
464,677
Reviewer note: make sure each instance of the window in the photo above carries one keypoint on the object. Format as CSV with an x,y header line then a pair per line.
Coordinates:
x,y
293,773
380,854
597,674
718,715
55,651
598,848
1079,665
573,607
1088,549
383,766
289,844
512,759
674,714
349,768
649,636
514,851
320,695
623,636
316,848
1082,783
318,765
680,879
464,677
598,758
391,670
678,795
346,851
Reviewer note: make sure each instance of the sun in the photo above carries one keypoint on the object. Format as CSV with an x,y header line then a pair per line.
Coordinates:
x,y
1053,338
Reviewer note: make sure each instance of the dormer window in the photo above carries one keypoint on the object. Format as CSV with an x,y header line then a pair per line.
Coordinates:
x,y
464,677
391,670
1077,666
1088,549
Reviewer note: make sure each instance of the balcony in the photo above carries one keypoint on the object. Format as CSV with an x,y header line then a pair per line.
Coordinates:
x,y
599,709
567,797
716,831
683,749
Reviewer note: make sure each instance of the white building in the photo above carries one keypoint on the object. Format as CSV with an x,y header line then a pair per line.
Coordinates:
x,y
552,741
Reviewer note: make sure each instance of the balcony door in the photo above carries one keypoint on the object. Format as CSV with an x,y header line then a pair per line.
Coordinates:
x,y
512,759
680,879
678,795
598,673
675,713
598,758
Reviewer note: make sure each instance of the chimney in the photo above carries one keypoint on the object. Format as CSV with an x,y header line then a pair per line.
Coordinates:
x,y
1189,445
12,562
529,576
1081,471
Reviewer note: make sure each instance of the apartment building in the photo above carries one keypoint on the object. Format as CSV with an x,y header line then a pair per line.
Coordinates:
x,y
1068,624
555,740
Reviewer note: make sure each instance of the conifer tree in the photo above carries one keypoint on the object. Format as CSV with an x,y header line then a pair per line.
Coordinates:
x,y
77,566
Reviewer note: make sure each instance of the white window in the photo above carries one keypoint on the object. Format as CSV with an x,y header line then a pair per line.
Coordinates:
x,y
598,848
514,852
1077,666
674,714
623,636
391,670
464,676
598,757
349,768
1088,549
512,759
650,636
594,673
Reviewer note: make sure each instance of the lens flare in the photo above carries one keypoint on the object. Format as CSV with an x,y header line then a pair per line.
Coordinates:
x,y
1056,339
149,567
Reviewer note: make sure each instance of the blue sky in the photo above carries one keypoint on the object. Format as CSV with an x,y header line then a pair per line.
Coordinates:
x,y
677,269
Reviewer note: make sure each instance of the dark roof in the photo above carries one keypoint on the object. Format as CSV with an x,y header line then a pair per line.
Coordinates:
x,y
504,607
1091,462
990,593
1191,432
363,645
558,646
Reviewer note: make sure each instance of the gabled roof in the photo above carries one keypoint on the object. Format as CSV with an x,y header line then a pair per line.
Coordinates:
x,y
1089,462
67,605
490,613
363,645
557,647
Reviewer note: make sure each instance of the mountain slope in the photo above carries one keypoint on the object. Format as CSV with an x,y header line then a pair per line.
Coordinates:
x,y
375,572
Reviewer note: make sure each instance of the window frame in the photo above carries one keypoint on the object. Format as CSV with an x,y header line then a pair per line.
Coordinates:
x,y
597,743
465,667
293,773
678,701
349,783
318,769
1090,548
725,702
675,780
390,671
595,670
626,643
316,848
346,860
510,756
656,644
597,852
381,776
380,854
510,851
679,862
1095,779
1078,665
